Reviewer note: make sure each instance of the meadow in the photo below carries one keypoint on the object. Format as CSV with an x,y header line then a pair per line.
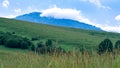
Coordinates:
x,y
17,59
67,38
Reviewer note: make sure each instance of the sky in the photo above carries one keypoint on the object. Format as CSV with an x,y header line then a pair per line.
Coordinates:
x,y
101,13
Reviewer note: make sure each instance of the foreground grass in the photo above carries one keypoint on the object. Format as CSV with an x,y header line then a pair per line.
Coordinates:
x,y
32,60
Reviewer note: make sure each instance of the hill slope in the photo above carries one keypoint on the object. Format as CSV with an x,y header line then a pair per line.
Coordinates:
x,y
65,36
35,17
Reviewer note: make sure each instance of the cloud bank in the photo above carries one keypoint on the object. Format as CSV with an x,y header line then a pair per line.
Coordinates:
x,y
5,3
65,13
111,28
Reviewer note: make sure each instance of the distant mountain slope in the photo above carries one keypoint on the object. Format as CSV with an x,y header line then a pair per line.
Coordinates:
x,y
35,17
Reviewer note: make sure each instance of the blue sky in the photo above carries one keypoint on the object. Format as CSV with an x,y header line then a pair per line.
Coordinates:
x,y
101,13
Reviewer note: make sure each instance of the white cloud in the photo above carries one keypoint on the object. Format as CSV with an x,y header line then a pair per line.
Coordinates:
x,y
18,10
5,3
65,13
111,28
9,16
117,18
97,3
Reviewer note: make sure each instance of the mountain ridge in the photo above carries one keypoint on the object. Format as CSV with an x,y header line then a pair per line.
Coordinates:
x,y
35,17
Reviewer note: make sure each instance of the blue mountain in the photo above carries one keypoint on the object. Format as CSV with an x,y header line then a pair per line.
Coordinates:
x,y
35,17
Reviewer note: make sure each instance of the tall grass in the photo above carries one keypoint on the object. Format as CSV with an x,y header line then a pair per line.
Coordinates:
x,y
73,60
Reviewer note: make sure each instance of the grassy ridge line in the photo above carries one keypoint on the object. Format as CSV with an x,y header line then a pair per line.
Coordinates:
x,y
64,35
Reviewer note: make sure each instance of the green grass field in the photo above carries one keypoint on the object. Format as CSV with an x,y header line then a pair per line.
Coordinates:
x,y
65,36
68,38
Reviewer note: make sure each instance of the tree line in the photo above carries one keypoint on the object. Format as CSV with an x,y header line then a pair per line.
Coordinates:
x,y
11,40
14,41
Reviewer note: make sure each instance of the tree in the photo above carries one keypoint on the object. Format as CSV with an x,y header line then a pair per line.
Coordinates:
x,y
48,48
25,43
41,48
1,38
13,43
117,44
32,48
105,46
49,43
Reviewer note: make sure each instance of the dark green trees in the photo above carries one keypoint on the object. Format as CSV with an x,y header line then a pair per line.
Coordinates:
x,y
41,48
117,44
48,48
49,43
13,41
1,38
105,46
18,42
45,48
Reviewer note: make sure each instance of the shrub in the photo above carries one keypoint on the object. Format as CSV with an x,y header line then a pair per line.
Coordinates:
x,y
49,43
35,38
25,43
59,50
48,48
105,46
4,37
117,44
1,38
13,43
32,48
41,48
40,44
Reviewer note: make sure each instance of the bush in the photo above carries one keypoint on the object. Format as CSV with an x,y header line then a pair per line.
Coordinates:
x,y
13,43
40,48
40,45
32,48
35,38
59,50
25,43
105,46
4,37
1,38
117,44
48,48
49,43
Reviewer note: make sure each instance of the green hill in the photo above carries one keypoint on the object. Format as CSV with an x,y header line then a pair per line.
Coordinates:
x,y
64,36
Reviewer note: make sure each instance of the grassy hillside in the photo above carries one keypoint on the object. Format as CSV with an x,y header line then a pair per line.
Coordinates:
x,y
64,36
